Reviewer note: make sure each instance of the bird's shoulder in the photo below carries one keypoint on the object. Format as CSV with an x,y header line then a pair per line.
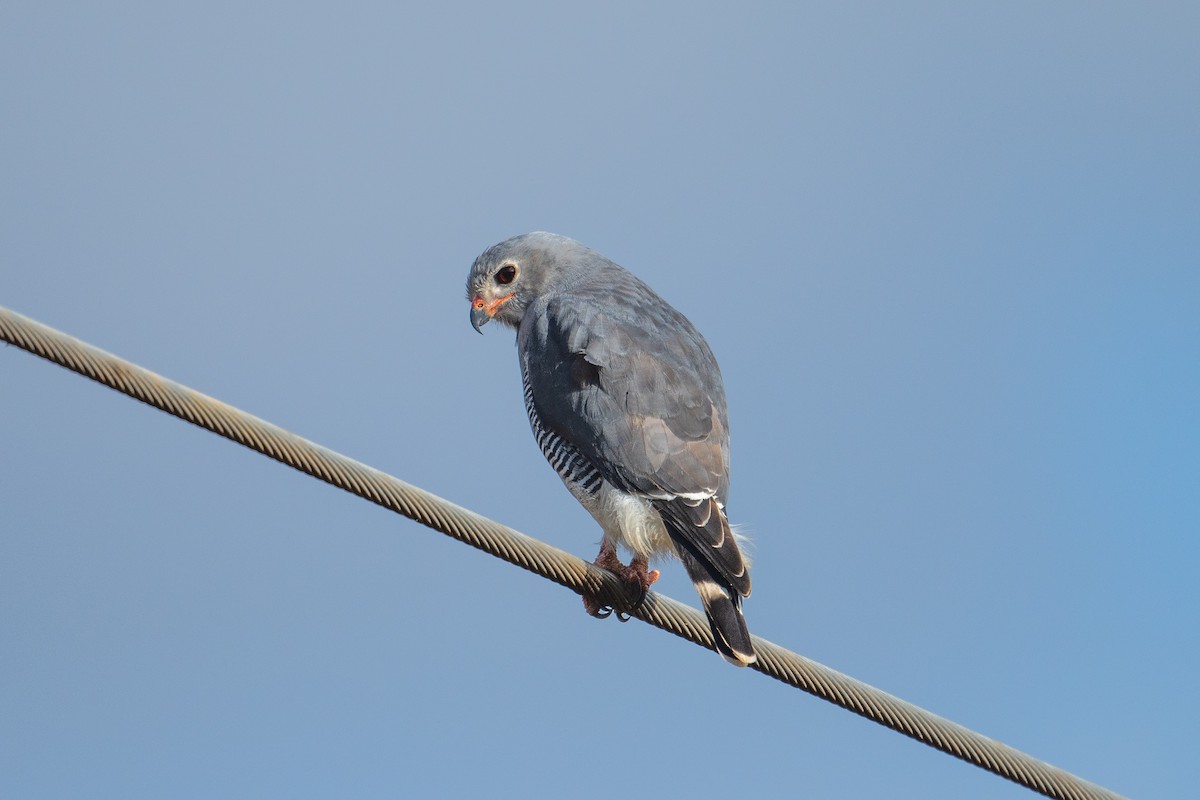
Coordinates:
x,y
618,325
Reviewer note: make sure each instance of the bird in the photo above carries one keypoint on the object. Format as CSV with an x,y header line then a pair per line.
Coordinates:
x,y
627,403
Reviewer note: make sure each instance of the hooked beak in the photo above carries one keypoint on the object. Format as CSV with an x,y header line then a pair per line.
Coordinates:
x,y
483,311
479,316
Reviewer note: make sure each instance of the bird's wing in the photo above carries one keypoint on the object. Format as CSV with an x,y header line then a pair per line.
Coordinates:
x,y
628,382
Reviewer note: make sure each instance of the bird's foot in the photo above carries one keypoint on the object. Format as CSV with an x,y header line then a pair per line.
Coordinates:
x,y
637,576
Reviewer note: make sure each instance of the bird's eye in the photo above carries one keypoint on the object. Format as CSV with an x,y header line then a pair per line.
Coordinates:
x,y
506,274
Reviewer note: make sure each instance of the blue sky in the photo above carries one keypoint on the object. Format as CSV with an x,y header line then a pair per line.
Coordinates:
x,y
948,258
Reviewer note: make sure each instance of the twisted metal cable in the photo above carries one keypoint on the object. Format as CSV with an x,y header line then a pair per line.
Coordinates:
x,y
529,553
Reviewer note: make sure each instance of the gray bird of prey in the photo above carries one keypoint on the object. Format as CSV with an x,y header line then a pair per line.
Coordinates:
x,y
626,402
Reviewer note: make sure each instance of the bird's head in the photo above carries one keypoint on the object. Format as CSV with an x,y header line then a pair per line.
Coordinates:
x,y
510,276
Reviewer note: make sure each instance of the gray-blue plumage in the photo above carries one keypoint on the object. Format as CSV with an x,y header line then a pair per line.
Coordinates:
x,y
626,402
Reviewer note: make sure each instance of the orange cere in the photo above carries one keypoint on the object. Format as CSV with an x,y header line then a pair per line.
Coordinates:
x,y
494,306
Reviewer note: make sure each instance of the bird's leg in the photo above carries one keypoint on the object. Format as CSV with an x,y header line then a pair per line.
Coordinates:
x,y
639,572
607,558
640,578
637,575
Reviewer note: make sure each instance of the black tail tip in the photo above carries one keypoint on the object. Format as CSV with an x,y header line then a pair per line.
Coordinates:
x,y
742,657
730,635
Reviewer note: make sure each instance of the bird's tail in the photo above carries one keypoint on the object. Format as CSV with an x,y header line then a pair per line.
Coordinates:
x,y
723,607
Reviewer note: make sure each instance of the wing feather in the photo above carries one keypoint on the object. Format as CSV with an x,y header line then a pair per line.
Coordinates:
x,y
636,390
